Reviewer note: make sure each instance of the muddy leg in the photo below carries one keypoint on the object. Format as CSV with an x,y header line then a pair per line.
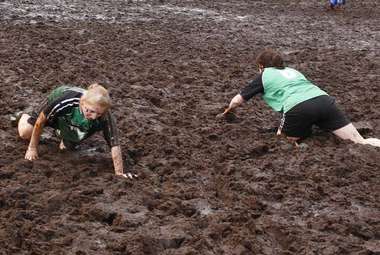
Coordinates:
x,y
349,132
25,129
373,141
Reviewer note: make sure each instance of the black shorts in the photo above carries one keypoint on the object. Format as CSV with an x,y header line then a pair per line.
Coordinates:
x,y
33,118
320,111
34,114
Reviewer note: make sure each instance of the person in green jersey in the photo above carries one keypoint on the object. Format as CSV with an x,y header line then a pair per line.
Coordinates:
x,y
301,103
75,114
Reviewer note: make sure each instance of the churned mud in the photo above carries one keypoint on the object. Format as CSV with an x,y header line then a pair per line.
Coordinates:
x,y
205,186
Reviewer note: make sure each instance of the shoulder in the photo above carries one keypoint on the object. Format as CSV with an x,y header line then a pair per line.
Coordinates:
x,y
63,99
74,92
65,92
108,118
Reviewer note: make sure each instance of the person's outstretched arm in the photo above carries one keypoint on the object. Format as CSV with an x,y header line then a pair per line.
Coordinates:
x,y
236,101
32,152
117,160
253,88
111,135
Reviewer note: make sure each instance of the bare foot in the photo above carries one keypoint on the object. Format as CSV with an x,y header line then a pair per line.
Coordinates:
x,y
62,145
372,141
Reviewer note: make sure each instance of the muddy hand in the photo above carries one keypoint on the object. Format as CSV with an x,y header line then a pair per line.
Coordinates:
x,y
223,114
31,154
220,116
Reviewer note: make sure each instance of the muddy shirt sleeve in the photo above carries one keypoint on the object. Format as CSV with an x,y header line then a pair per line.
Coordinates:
x,y
110,131
253,88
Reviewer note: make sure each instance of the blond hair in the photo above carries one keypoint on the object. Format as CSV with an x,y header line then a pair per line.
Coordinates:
x,y
97,95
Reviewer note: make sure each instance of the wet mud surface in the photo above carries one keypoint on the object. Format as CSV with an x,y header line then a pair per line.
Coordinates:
x,y
205,186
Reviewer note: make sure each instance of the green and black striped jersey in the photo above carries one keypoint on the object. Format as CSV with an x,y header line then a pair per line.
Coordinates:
x,y
63,113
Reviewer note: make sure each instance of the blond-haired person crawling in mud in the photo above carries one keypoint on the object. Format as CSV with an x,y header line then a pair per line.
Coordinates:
x,y
301,103
75,114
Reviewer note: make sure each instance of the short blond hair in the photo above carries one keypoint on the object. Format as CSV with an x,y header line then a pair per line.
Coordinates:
x,y
97,95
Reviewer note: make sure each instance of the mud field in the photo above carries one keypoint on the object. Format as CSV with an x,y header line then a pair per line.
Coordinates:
x,y
205,186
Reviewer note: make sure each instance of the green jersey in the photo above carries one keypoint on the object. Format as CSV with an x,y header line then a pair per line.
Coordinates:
x,y
63,113
285,88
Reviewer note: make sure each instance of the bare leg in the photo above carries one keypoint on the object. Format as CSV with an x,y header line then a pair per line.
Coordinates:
x,y
25,129
373,141
349,132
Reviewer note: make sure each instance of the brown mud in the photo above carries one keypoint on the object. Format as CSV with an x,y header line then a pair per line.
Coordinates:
x,y
205,186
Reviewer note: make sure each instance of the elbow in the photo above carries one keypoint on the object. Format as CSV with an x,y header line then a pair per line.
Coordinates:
x,y
237,100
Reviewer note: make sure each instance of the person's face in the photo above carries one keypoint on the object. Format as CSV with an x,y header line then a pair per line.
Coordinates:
x,y
91,112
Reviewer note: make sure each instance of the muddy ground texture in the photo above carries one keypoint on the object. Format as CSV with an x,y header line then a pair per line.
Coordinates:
x,y
205,186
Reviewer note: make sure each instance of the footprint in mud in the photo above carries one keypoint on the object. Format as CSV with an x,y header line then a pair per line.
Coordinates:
x,y
155,245
156,101
255,152
364,152
229,117
364,127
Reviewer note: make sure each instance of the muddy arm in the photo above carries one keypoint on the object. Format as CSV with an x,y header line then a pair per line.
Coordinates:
x,y
118,163
32,152
235,102
117,160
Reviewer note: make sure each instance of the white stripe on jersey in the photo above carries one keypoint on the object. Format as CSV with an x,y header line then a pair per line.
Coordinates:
x,y
63,105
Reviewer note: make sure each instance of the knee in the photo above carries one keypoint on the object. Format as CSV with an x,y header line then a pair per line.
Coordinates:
x,y
357,138
349,132
24,128
25,133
